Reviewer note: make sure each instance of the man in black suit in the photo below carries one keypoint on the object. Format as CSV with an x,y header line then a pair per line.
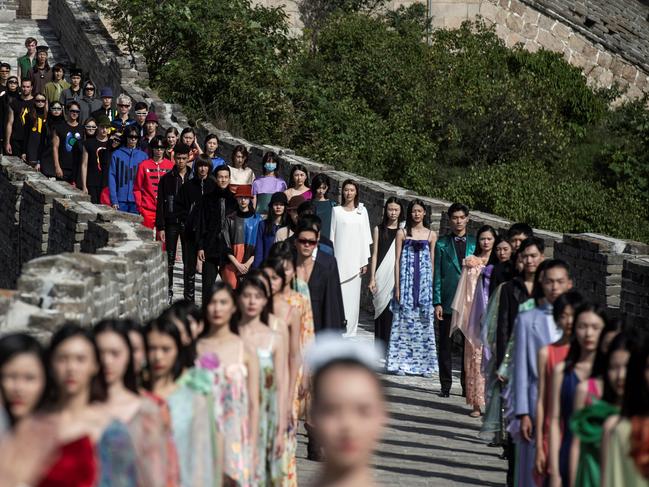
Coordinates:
x,y
321,273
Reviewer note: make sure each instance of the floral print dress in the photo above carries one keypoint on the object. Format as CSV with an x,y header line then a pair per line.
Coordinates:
x,y
412,340
268,469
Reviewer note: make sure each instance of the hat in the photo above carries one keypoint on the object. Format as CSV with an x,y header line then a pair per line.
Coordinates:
x,y
278,197
243,191
75,72
157,142
42,49
103,121
106,92
151,117
295,202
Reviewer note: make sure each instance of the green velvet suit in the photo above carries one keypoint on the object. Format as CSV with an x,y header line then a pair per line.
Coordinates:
x,y
447,270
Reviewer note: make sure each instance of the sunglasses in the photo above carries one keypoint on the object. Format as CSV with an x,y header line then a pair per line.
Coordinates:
x,y
123,105
89,88
55,109
158,148
74,111
12,82
307,241
38,100
141,114
91,127
133,137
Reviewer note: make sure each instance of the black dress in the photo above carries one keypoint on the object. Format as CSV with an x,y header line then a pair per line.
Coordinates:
x,y
97,167
383,324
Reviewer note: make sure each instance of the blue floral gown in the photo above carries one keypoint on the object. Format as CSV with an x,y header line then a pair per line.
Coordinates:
x,y
412,340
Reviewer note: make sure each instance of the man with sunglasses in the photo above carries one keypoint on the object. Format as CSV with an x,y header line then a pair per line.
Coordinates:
x,y
73,92
123,119
122,172
212,223
66,146
149,173
141,110
55,88
5,72
89,102
35,132
17,119
322,276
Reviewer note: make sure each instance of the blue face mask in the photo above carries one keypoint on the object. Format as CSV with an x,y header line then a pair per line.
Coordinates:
x,y
270,166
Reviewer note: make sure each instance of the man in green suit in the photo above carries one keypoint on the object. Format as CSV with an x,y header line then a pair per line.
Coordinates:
x,y
450,251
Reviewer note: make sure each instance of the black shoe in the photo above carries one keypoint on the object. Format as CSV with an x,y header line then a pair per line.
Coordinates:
x,y
463,393
444,393
171,296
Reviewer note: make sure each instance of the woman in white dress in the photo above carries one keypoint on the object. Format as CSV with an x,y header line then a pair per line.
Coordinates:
x,y
352,238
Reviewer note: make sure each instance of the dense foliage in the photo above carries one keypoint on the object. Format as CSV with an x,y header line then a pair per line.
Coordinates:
x,y
461,116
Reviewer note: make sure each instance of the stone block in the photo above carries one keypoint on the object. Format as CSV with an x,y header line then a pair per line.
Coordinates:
x,y
514,23
548,41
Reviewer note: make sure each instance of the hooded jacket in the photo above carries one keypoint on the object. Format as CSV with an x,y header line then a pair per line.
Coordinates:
x,y
121,175
88,105
189,201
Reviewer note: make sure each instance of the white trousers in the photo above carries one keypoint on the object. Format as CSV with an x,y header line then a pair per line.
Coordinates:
x,y
351,291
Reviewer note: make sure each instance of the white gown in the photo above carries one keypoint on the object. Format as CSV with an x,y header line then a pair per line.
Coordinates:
x,y
352,239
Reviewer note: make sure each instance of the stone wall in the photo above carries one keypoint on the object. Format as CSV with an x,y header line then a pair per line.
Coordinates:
x,y
8,10
71,260
635,295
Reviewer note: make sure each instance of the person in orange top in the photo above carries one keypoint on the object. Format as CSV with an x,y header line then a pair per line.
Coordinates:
x,y
149,172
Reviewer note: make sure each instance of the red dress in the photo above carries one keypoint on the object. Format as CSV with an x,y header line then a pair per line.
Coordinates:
x,y
76,466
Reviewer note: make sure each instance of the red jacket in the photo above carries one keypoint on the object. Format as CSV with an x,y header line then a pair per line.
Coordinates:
x,y
145,188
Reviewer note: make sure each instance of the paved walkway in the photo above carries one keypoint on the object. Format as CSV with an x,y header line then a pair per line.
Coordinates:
x,y
12,41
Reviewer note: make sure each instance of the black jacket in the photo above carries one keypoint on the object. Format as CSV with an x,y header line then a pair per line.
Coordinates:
x,y
326,297
513,294
189,201
168,189
212,222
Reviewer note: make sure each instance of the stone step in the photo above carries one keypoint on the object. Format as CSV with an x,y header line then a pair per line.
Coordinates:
x,y
12,39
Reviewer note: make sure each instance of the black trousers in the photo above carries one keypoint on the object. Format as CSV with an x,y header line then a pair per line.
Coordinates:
x,y
383,326
173,232
210,271
95,193
445,355
190,255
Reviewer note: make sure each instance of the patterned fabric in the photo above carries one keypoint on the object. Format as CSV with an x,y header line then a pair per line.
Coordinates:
x,y
621,468
194,431
172,467
241,237
229,386
268,469
117,457
412,340
150,439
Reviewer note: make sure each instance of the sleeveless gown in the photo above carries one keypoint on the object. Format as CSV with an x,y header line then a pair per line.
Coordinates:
x,y
568,388
412,339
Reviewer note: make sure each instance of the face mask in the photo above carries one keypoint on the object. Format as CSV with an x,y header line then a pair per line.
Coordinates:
x,y
270,166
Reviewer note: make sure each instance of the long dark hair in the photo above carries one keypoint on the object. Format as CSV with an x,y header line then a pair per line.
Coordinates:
x,y
254,279
622,342
244,152
320,179
169,328
98,386
16,344
218,287
574,353
120,328
409,222
486,228
298,167
270,156
383,226
268,225
636,388
353,183
277,264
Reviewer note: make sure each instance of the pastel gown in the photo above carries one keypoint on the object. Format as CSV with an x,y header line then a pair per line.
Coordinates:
x,y
468,307
230,390
412,347
191,407
352,238
300,298
268,471
621,468
157,461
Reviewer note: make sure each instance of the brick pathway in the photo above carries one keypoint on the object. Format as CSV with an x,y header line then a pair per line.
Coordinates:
x,y
12,41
